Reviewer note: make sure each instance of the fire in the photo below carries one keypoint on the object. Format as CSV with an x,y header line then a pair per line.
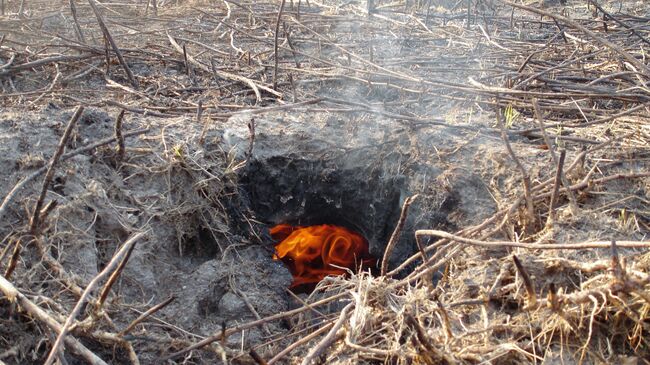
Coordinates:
x,y
314,252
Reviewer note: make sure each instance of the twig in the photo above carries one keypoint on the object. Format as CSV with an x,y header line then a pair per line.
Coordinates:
x,y
11,59
256,357
505,212
251,143
45,61
614,47
300,342
45,212
199,111
426,342
426,18
586,182
329,338
126,247
111,280
275,46
50,88
532,246
293,88
623,24
116,49
251,307
13,261
34,310
225,334
52,167
119,136
206,124
107,57
73,10
20,185
225,75
188,68
530,287
530,210
396,233
136,110
145,315
552,298
616,267
556,188
551,148
445,320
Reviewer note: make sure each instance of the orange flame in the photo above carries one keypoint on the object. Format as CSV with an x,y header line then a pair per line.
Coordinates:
x,y
314,252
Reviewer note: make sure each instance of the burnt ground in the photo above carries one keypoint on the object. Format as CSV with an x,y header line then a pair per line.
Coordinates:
x,y
228,130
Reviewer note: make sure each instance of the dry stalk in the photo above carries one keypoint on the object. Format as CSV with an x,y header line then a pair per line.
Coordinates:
x,y
616,267
532,246
251,141
256,357
558,163
329,338
114,276
119,136
396,233
73,10
621,23
115,261
300,342
51,167
275,45
228,332
34,223
586,182
505,212
556,189
528,283
251,31
434,354
614,47
21,10
34,310
145,315
116,49
530,221
226,75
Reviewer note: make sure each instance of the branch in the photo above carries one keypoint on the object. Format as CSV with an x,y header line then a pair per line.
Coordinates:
x,y
75,311
116,49
35,311
396,233
638,64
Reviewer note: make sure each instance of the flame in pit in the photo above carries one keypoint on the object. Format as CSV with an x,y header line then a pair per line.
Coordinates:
x,y
314,252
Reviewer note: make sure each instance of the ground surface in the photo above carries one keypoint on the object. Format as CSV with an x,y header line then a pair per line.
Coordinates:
x,y
419,96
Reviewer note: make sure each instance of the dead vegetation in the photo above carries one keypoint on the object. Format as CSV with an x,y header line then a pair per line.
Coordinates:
x,y
558,274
